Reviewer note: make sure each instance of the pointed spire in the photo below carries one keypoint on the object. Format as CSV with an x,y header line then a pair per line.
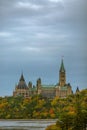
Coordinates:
x,y
22,77
77,90
62,69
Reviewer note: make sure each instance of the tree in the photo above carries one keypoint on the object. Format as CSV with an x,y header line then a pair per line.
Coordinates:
x,y
79,119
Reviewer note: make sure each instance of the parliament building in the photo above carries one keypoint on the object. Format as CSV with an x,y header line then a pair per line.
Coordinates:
x,y
62,89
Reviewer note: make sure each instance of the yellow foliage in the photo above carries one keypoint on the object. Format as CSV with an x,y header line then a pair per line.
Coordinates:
x,y
26,101
55,101
53,127
3,105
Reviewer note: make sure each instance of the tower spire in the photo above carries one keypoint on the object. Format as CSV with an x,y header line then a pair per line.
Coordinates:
x,y
62,68
62,74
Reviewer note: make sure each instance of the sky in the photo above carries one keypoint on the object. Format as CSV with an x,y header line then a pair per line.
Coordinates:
x,y
35,35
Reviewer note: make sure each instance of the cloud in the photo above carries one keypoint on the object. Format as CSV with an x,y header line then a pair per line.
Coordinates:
x,y
55,1
5,34
27,5
51,36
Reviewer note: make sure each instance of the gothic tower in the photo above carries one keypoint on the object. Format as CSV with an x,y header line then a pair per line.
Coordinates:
x,y
62,75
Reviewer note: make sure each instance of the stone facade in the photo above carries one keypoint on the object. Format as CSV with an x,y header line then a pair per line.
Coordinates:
x,y
62,89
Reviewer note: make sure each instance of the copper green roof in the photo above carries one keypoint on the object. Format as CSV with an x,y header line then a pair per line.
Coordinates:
x,y
33,89
48,86
62,69
63,88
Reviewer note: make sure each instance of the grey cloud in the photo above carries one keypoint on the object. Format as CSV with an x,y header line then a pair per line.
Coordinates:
x,y
27,8
50,14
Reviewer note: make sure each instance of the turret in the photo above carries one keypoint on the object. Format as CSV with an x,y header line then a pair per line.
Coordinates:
x,y
77,90
39,86
30,85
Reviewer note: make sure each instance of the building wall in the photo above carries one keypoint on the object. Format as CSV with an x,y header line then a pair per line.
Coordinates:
x,y
49,93
21,92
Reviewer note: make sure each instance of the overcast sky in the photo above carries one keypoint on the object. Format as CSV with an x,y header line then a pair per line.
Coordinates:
x,y
35,34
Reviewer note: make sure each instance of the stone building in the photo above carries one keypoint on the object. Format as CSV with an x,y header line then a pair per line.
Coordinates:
x,y
61,89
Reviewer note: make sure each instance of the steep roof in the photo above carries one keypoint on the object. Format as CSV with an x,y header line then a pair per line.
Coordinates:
x,y
62,69
22,83
22,77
